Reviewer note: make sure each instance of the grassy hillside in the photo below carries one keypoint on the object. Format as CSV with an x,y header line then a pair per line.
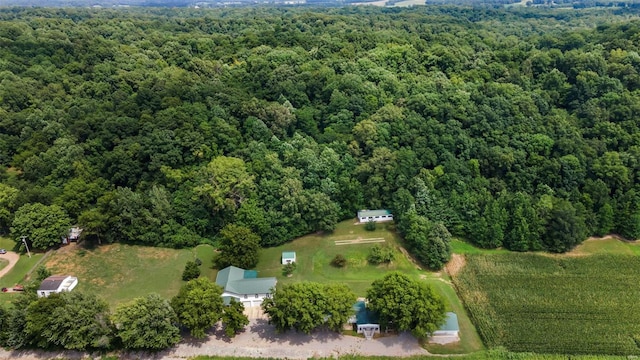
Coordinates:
x,y
119,273
575,304
315,252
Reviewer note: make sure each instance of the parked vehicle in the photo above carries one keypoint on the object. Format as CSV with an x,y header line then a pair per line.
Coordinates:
x,y
3,251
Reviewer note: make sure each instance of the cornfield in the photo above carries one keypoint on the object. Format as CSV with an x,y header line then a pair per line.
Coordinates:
x,y
544,304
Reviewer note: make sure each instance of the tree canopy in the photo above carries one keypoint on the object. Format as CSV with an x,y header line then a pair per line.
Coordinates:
x,y
306,306
162,128
43,225
198,306
146,323
406,304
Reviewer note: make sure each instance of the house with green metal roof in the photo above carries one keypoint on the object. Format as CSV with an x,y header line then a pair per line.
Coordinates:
x,y
244,286
364,320
374,215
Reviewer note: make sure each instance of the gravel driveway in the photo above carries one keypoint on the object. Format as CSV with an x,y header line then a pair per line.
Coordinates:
x,y
260,340
13,258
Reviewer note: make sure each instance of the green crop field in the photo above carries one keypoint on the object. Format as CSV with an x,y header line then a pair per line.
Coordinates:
x,y
554,304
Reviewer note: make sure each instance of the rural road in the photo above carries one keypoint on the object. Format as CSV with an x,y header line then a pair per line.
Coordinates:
x,y
258,340
13,259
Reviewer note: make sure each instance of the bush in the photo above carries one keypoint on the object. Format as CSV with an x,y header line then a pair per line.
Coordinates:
x,y
288,269
42,273
339,261
370,225
379,255
191,271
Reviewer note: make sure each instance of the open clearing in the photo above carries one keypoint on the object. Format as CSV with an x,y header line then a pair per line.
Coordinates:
x,y
557,304
119,273
314,254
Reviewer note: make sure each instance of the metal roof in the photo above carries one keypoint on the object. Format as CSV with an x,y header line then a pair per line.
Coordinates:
x,y
244,282
288,254
364,315
51,283
367,213
451,323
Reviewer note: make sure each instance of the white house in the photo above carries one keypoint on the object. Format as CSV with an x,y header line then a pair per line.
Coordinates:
x,y
449,332
56,284
288,257
374,215
244,286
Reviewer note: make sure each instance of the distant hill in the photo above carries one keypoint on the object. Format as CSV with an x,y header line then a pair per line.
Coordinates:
x,y
98,3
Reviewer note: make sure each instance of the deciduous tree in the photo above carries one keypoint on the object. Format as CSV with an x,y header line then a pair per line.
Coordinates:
x,y
406,304
233,318
238,247
198,305
43,225
306,306
146,323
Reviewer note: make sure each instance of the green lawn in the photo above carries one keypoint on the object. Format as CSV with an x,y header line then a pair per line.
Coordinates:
x,y
17,275
314,254
119,273
7,243
469,339
3,263
608,246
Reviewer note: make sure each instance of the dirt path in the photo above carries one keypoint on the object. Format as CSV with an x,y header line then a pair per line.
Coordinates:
x,y
13,259
610,236
456,264
261,340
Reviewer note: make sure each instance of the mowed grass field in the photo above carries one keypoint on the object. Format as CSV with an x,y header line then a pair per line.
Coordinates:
x,y
584,302
314,254
119,273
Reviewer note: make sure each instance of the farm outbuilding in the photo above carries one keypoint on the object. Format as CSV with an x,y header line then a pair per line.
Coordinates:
x,y
288,257
449,332
374,215
57,284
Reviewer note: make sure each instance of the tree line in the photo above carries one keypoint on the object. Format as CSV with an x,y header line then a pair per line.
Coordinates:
x,y
507,128
81,321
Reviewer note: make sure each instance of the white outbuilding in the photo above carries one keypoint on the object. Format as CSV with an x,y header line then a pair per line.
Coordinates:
x,y
374,215
57,284
288,257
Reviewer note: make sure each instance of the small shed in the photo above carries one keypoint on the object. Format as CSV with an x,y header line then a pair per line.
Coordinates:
x,y
449,332
374,215
288,257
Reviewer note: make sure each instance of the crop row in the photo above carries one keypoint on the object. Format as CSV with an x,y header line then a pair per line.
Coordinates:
x,y
529,302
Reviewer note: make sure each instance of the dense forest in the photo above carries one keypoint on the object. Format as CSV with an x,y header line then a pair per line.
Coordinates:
x,y
508,128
